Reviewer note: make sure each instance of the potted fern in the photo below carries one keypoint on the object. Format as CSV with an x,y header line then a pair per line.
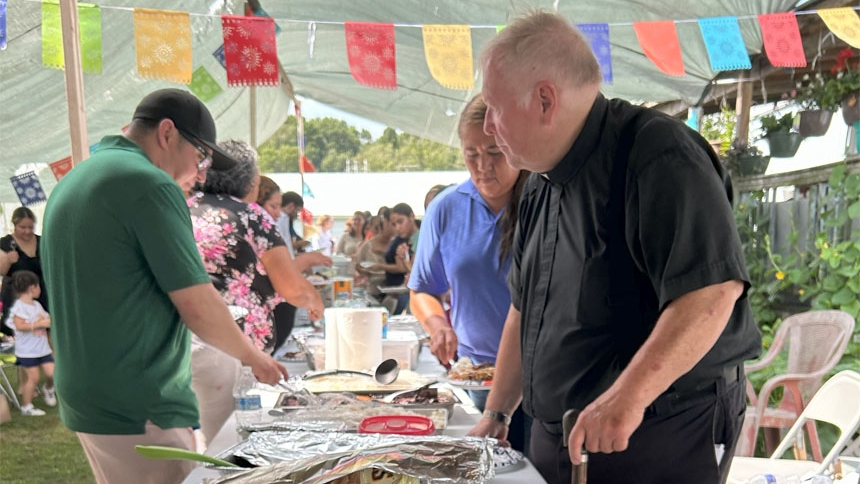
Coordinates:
x,y
780,135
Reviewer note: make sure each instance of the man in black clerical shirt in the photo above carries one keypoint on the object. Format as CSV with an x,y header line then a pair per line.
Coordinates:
x,y
628,283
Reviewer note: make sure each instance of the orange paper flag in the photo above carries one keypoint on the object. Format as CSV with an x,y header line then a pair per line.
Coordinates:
x,y
448,50
162,40
782,42
659,42
843,22
61,167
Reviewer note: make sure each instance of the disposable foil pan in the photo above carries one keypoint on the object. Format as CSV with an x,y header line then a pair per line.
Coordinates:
x,y
318,457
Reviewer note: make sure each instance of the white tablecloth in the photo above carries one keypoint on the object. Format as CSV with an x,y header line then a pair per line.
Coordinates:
x,y
464,418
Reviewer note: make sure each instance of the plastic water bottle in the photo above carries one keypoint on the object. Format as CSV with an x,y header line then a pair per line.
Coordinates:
x,y
247,405
772,479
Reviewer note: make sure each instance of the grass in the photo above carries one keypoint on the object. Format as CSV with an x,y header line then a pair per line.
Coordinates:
x,y
40,449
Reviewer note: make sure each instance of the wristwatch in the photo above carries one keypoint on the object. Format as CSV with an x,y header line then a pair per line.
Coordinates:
x,y
497,416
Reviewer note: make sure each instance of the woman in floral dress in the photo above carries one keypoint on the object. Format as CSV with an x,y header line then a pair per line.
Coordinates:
x,y
250,266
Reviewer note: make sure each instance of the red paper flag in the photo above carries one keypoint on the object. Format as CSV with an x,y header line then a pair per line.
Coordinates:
x,y
659,42
782,42
61,167
250,51
306,216
370,49
305,165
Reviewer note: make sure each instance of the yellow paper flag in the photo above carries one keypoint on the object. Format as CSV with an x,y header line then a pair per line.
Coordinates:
x,y
843,22
448,50
162,40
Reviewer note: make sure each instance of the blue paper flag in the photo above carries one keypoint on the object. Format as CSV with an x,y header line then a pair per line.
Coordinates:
x,y
2,24
725,44
219,55
598,37
28,188
306,191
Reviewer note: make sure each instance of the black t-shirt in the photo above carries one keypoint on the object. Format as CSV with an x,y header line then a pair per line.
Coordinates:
x,y
25,262
580,327
393,278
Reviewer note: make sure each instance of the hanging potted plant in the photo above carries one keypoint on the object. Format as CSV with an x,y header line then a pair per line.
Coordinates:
x,y
780,135
745,160
814,118
843,88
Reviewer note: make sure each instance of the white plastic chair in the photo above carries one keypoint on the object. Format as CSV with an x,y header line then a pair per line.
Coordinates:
x,y
837,402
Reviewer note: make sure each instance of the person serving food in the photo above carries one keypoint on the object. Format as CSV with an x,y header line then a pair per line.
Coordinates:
x,y
464,247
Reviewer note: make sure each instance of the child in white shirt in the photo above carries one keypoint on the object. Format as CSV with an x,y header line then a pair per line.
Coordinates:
x,y
30,322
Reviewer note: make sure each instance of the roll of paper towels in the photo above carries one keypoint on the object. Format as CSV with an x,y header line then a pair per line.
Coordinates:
x,y
353,338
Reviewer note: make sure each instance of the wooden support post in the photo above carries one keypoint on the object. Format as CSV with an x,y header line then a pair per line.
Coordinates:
x,y
742,108
74,80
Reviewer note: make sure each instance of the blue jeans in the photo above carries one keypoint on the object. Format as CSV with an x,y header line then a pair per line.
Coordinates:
x,y
402,304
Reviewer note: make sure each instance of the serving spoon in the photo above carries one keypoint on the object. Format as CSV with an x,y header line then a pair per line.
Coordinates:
x,y
384,374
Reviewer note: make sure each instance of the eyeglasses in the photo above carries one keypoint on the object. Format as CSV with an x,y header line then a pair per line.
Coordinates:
x,y
204,163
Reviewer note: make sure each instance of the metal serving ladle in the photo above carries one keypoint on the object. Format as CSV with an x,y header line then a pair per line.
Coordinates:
x,y
384,374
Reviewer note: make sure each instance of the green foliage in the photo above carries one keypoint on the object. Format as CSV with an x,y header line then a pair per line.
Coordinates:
x,y
771,124
330,143
821,272
844,80
720,127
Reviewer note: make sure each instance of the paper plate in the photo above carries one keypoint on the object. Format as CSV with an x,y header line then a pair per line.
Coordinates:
x,y
506,459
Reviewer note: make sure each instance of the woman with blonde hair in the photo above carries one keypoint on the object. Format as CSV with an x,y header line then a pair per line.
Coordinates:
x,y
324,241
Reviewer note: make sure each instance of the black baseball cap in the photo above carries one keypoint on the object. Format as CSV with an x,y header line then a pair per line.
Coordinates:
x,y
189,115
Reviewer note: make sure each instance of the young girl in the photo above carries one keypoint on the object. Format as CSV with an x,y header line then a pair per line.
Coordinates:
x,y
30,321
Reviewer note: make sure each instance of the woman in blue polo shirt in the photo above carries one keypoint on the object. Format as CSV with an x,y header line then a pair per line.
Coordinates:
x,y
465,247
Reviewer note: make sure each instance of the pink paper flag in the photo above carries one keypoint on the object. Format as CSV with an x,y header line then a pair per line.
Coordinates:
x,y
782,42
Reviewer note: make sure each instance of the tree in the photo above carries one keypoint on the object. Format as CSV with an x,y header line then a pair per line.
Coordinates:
x,y
330,142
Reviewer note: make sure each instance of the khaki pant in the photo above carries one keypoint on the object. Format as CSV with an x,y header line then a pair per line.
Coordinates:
x,y
114,460
213,375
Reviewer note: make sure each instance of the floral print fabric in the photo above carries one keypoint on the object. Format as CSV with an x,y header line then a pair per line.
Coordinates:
x,y
231,235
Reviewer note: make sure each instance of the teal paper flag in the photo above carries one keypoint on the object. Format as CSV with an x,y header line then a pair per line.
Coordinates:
x,y
306,191
726,49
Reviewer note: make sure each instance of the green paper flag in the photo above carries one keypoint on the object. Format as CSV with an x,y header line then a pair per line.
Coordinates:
x,y
203,85
90,21
499,28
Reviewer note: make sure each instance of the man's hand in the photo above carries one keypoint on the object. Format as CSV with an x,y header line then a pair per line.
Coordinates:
x,y
605,425
490,428
265,368
443,343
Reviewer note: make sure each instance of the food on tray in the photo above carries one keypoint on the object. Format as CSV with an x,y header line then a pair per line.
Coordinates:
x,y
464,369
406,380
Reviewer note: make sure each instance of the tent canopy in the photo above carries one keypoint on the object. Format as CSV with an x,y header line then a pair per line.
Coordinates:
x,y
312,50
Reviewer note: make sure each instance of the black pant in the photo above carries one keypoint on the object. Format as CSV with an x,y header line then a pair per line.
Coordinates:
x,y
285,316
674,444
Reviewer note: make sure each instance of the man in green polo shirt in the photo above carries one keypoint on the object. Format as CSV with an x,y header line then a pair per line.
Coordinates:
x,y
127,284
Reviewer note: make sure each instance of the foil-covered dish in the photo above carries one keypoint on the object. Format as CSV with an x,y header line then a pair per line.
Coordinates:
x,y
343,412
298,457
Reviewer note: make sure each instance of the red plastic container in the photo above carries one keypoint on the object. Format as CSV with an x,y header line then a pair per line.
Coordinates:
x,y
397,424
